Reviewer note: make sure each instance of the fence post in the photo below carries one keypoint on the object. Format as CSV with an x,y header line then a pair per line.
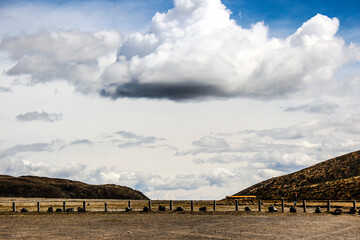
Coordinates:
x,y
106,207
84,206
328,205
354,204
149,205
129,204
304,205
64,206
237,205
259,205
192,205
171,204
38,206
14,207
214,205
282,205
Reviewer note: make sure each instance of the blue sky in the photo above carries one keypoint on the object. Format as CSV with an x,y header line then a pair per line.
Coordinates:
x,y
177,100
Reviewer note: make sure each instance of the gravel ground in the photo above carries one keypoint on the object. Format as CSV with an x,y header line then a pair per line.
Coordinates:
x,y
179,225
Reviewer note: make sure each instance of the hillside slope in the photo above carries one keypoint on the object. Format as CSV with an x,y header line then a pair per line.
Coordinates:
x,y
42,187
337,178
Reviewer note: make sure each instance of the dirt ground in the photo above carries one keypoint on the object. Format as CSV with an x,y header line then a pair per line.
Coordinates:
x,y
178,225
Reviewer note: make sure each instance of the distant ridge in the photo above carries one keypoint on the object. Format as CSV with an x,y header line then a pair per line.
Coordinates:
x,y
337,178
43,187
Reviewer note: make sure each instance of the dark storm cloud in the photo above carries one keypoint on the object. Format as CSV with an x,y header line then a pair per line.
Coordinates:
x,y
173,91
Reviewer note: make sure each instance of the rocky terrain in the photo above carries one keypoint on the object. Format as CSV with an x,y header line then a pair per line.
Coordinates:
x,y
337,179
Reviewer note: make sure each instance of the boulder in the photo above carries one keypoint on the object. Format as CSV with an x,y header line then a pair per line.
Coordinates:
x,y
128,209
272,209
338,211
318,210
247,209
162,208
179,209
50,209
352,210
203,209
293,209
24,210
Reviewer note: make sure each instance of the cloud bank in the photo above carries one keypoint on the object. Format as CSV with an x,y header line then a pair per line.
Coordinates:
x,y
193,51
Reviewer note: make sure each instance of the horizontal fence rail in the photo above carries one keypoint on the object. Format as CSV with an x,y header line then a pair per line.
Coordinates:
x,y
236,205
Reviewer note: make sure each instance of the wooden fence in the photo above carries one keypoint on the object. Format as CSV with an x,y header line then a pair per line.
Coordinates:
x,y
98,205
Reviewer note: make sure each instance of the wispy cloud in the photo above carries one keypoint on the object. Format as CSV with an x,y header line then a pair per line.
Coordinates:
x,y
34,147
81,142
314,107
39,116
129,139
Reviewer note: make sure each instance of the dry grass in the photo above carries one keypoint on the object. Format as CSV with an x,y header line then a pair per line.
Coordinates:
x,y
113,205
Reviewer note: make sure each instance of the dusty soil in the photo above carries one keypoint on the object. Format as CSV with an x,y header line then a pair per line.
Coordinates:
x,y
178,225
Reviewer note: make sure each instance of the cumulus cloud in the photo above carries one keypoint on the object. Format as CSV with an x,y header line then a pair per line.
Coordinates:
x,y
39,116
195,50
314,107
78,57
19,167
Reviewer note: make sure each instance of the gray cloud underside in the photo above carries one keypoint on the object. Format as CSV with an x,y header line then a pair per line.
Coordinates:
x,y
39,116
178,91
5,89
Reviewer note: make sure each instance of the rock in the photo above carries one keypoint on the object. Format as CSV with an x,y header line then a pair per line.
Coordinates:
x,y
128,209
272,209
247,209
179,209
293,209
80,209
24,210
58,210
145,209
203,209
317,210
338,211
162,208
50,209
352,210
70,210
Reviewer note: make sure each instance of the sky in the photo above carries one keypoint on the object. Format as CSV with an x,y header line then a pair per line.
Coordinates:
x,y
184,99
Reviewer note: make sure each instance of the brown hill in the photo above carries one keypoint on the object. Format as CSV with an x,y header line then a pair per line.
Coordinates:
x,y
42,187
337,178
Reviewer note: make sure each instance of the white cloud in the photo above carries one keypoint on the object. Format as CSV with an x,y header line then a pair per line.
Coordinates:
x,y
196,50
